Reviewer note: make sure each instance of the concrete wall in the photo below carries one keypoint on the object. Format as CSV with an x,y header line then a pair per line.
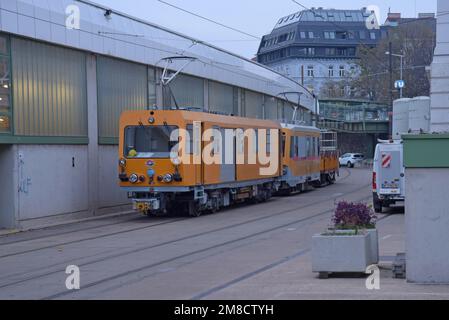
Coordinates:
x,y
52,180
109,192
7,190
48,184
427,225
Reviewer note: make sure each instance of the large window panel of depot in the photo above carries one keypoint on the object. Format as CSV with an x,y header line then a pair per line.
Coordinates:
x,y
288,112
5,86
271,108
222,98
49,90
187,91
122,85
253,105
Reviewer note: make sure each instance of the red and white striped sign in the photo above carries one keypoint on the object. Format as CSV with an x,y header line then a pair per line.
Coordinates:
x,y
386,160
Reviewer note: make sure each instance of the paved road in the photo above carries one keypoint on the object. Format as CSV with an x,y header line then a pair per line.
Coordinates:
x,y
248,252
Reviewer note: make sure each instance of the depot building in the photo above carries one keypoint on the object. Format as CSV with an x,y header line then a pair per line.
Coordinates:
x,y
62,91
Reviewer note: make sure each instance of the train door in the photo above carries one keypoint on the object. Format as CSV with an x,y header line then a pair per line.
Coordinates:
x,y
197,148
228,155
212,149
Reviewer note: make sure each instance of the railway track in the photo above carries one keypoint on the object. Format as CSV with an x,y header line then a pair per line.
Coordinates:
x,y
117,232
61,266
254,273
149,266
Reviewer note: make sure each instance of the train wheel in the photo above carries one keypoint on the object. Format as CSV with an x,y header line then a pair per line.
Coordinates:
x,y
194,210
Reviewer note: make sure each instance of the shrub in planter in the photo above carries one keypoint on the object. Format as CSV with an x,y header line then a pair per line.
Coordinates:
x,y
350,245
353,216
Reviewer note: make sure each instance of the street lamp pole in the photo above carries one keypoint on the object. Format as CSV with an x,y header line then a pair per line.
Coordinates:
x,y
402,73
402,67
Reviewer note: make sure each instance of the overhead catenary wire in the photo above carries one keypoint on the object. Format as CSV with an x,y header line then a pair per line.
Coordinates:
x,y
210,20
212,63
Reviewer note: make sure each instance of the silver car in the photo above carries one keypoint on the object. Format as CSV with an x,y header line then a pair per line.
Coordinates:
x,y
350,159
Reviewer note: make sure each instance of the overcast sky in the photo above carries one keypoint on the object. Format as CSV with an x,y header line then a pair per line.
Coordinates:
x,y
256,17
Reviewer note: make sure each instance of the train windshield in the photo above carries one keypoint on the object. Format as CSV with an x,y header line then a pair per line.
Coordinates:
x,y
149,142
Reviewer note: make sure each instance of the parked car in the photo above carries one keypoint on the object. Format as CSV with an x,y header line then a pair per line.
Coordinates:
x,y
350,159
388,175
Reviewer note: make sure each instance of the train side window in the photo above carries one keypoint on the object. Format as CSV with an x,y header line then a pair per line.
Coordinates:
x,y
189,142
217,140
256,140
292,147
240,141
283,146
308,147
268,141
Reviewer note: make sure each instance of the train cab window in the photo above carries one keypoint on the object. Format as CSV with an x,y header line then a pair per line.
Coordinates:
x,y
149,142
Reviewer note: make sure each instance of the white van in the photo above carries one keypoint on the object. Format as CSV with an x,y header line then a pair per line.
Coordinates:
x,y
388,175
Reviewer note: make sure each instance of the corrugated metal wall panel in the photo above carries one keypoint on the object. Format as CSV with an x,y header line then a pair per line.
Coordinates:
x,y
281,113
221,98
271,108
188,91
288,112
122,86
253,104
49,90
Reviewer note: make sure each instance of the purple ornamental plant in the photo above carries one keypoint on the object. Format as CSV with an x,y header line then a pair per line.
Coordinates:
x,y
350,215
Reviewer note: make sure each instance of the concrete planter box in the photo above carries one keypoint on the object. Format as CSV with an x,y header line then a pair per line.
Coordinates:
x,y
374,244
344,253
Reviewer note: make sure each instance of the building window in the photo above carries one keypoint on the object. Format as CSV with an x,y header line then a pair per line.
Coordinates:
x,y
342,52
51,81
331,71
351,35
282,38
302,34
342,71
329,35
353,70
330,51
310,51
362,34
291,35
372,35
310,71
311,35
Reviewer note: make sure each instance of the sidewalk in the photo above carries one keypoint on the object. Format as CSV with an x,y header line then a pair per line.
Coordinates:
x,y
294,280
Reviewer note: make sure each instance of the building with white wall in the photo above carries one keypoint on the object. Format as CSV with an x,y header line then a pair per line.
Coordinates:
x,y
62,91
440,73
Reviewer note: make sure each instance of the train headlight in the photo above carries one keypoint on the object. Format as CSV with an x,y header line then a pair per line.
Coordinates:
x,y
133,178
176,161
122,162
168,178
151,120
